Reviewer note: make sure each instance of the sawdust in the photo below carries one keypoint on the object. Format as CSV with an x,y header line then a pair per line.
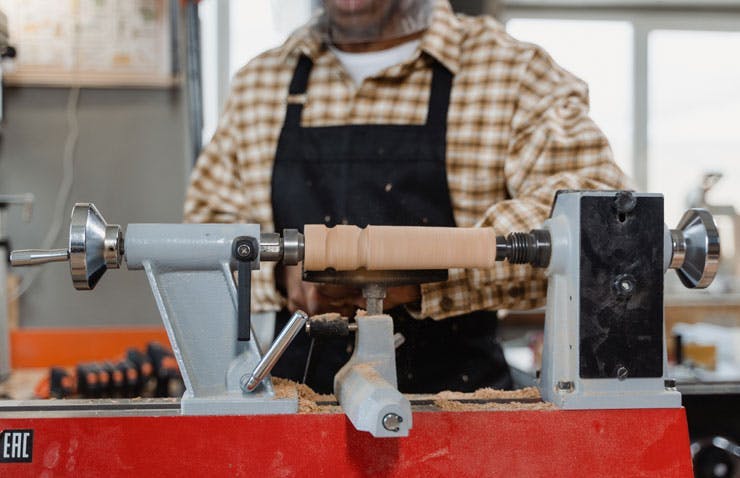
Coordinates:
x,y
21,383
454,406
524,399
328,317
491,393
307,397
450,401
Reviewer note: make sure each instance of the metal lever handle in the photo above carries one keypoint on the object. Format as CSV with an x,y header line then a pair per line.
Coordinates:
x,y
244,301
295,324
33,257
246,251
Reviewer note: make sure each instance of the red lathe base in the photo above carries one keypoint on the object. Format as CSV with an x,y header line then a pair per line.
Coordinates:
x,y
584,443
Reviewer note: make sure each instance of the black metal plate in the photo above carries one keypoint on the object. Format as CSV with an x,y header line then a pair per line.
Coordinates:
x,y
363,277
621,334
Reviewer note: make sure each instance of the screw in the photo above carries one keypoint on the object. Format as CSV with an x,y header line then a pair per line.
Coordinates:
x,y
391,422
244,250
625,202
622,373
624,285
565,386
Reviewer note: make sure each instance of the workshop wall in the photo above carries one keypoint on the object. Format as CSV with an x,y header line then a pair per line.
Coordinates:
x,y
130,161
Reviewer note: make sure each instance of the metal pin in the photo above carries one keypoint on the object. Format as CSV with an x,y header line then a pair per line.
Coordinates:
x,y
392,422
308,359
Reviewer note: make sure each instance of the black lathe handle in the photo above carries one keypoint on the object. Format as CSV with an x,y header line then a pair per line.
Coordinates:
x,y
245,250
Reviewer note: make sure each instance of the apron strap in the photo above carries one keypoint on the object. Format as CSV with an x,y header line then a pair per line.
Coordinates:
x,y
298,86
439,95
439,98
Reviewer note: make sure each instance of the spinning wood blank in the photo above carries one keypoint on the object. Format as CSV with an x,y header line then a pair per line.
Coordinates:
x,y
347,248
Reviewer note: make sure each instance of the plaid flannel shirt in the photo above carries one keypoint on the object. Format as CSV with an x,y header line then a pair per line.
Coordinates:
x,y
518,130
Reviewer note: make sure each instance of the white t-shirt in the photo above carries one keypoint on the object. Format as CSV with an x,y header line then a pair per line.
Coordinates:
x,y
363,65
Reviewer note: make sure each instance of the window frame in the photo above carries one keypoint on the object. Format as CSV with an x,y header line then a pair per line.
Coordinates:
x,y
645,17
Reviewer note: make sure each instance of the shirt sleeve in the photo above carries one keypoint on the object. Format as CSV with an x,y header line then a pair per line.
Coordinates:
x,y
553,145
216,194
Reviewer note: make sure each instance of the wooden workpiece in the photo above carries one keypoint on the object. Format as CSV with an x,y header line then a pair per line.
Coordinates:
x,y
347,248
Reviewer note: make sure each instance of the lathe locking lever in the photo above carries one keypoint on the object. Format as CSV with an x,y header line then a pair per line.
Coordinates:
x,y
245,251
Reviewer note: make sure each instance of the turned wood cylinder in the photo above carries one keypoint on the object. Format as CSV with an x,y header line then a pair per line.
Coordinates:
x,y
347,248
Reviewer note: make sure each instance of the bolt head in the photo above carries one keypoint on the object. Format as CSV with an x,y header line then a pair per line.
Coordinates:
x,y
244,250
625,202
565,386
624,285
392,421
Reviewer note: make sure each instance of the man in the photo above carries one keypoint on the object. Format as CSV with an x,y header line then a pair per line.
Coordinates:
x,y
399,112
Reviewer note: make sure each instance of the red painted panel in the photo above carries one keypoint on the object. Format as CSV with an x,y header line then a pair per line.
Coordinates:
x,y
590,443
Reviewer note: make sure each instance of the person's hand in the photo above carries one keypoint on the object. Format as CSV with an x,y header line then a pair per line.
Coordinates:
x,y
401,295
316,298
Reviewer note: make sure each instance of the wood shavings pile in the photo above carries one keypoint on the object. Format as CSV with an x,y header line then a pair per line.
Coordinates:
x,y
491,393
450,401
452,405
525,399
328,317
307,398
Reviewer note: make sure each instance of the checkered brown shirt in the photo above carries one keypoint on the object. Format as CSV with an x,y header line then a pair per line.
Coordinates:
x,y
518,130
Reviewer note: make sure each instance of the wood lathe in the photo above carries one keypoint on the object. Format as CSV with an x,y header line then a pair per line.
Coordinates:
x,y
604,364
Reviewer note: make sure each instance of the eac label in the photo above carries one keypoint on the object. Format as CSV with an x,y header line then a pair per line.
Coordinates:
x,y
16,446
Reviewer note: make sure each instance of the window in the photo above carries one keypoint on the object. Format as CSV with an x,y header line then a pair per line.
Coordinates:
x,y
600,53
694,115
258,25
232,33
668,98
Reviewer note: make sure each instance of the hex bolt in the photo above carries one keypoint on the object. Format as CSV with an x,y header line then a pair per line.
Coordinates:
x,y
622,373
392,421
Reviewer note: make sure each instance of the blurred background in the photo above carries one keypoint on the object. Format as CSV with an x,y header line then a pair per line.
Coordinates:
x,y
109,102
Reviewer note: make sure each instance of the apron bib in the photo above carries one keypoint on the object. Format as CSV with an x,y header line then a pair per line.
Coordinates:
x,y
391,175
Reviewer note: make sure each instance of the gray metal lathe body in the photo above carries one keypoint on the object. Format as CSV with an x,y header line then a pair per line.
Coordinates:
x,y
560,380
366,387
189,267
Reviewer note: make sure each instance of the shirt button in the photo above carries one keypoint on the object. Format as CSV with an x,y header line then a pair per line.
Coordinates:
x,y
446,304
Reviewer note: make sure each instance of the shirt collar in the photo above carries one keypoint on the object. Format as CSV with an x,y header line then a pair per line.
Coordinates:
x,y
442,40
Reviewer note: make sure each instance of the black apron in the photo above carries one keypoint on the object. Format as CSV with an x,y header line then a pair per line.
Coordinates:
x,y
380,175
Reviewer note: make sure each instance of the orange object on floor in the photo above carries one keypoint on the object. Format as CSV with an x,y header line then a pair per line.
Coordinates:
x,y
66,347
